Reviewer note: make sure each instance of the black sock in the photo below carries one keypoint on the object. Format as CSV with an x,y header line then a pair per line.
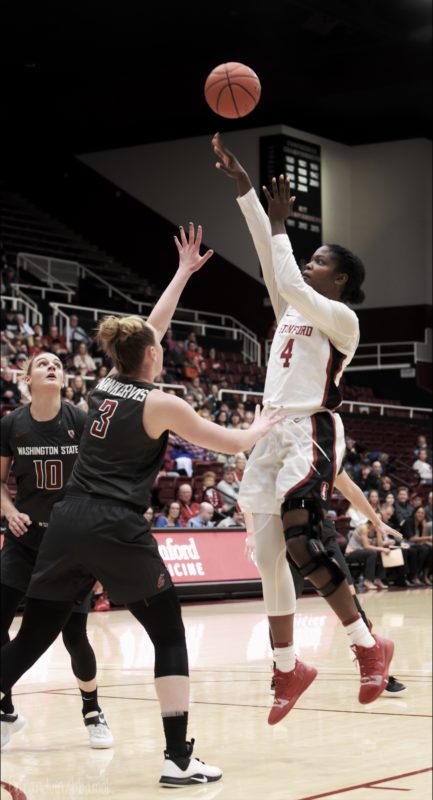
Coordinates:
x,y
90,701
175,727
6,704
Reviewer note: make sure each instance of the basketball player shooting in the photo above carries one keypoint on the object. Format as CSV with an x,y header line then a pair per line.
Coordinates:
x,y
290,475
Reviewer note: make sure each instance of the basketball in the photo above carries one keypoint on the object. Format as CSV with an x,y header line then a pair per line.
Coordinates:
x,y
232,90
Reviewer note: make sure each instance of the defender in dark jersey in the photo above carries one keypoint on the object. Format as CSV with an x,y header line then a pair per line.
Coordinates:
x,y
40,441
120,455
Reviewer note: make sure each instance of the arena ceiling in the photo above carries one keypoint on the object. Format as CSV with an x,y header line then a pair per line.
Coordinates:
x,y
91,75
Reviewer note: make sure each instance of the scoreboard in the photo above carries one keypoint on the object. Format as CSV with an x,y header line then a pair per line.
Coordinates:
x,y
300,161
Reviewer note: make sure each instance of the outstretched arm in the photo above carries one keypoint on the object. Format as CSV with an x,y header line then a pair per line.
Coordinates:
x,y
166,412
190,261
357,498
255,216
332,317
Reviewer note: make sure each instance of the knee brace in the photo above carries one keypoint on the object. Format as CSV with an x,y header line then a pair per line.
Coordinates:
x,y
319,557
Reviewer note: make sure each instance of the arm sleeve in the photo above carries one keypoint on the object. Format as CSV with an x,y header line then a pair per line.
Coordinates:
x,y
338,322
260,229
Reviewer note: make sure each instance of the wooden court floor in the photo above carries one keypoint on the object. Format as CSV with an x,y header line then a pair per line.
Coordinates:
x,y
329,746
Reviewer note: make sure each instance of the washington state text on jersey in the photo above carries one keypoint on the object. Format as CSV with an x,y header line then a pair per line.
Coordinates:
x,y
126,390
64,449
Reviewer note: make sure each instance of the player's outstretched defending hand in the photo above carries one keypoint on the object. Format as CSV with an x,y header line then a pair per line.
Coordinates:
x,y
190,259
264,420
280,204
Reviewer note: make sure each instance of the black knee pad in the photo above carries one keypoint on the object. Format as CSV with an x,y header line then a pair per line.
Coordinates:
x,y
162,619
312,531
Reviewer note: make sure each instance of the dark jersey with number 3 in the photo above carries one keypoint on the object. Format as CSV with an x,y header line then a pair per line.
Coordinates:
x,y
43,456
117,459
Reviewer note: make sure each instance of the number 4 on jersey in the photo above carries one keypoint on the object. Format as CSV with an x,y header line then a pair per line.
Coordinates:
x,y
286,354
100,426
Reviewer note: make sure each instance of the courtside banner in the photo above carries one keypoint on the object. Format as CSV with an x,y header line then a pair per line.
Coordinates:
x,y
193,556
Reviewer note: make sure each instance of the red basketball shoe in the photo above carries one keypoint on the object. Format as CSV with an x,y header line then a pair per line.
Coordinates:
x,y
288,688
374,667
102,603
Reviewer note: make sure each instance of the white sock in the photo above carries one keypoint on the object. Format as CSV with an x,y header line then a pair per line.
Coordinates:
x,y
285,658
358,633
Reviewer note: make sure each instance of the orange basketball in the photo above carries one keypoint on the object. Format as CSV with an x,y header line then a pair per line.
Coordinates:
x,y
232,90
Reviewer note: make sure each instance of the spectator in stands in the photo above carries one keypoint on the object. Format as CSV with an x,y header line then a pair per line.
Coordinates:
x,y
234,419
77,334
416,531
38,330
229,486
352,456
9,392
374,476
170,516
149,515
24,328
403,508
212,362
176,356
204,518
197,390
222,418
422,443
192,337
240,464
169,342
7,348
80,391
212,398
362,476
234,520
188,508
386,487
374,500
416,501
428,508
362,547
191,348
422,467
82,358
68,394
213,496
37,346
55,336
191,368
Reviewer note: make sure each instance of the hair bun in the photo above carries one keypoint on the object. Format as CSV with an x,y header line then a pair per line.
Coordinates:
x,y
357,297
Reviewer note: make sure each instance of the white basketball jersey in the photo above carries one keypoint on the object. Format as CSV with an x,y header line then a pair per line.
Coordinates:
x,y
315,337
304,367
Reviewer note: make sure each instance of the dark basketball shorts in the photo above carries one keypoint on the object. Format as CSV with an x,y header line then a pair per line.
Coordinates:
x,y
17,562
90,538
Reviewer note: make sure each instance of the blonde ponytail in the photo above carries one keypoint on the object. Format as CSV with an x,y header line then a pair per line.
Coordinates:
x,y
125,339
